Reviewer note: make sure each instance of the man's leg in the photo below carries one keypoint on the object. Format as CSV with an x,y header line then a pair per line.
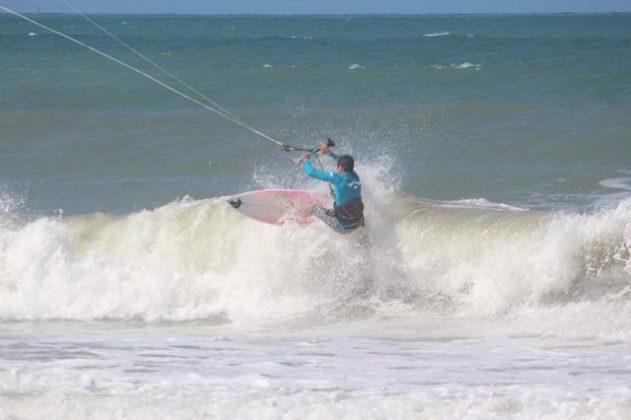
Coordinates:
x,y
328,217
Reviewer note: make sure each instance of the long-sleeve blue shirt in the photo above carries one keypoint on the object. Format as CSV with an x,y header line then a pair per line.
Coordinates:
x,y
347,185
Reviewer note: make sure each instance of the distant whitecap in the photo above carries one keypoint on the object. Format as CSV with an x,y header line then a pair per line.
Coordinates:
x,y
466,65
459,66
617,183
435,34
356,66
267,66
32,34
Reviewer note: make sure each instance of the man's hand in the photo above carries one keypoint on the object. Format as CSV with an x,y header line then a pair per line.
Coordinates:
x,y
324,147
305,156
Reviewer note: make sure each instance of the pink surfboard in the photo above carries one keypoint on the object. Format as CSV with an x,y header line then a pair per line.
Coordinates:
x,y
277,207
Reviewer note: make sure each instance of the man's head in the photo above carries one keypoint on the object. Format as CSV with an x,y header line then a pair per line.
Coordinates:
x,y
345,163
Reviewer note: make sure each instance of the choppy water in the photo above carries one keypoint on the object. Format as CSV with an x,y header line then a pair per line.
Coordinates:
x,y
495,280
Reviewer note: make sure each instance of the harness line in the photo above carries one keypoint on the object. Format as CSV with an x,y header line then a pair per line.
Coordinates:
x,y
223,114
153,63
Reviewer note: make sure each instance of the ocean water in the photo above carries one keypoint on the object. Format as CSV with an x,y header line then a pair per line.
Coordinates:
x,y
493,279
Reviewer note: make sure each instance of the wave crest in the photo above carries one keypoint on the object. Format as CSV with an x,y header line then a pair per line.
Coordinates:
x,y
191,260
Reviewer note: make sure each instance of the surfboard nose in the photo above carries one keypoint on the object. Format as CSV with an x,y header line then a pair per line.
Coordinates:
x,y
235,202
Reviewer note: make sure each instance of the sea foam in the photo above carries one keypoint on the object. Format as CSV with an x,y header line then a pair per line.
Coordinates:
x,y
199,259
436,34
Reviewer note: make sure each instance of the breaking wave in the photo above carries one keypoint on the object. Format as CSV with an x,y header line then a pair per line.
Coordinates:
x,y
199,259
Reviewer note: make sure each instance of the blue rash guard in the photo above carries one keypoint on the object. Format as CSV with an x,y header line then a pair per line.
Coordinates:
x,y
347,185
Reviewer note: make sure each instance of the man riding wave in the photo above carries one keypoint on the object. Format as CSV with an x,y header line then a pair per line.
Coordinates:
x,y
348,211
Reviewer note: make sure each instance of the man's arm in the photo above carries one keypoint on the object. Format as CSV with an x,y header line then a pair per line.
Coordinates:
x,y
318,174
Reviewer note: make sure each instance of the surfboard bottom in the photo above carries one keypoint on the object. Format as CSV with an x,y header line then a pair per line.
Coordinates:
x,y
276,206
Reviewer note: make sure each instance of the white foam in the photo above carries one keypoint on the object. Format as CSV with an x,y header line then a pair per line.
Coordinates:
x,y
460,66
466,66
9,202
479,203
617,183
192,260
267,66
494,264
436,34
139,374
356,66
11,206
454,301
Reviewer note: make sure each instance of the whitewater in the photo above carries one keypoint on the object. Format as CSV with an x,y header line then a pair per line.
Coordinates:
x,y
446,309
198,259
493,277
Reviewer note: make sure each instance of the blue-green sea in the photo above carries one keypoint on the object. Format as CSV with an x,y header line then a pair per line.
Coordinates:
x,y
526,110
492,279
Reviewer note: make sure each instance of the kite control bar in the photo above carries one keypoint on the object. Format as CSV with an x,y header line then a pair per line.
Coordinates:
x,y
311,151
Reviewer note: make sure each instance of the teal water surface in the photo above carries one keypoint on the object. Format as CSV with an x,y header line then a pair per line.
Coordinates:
x,y
527,110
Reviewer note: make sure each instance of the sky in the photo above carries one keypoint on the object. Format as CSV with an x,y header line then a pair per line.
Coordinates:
x,y
321,6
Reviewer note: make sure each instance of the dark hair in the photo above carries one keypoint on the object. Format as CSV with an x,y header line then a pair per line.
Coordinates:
x,y
346,162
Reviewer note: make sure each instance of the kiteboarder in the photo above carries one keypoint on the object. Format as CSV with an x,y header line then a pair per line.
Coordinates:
x,y
347,213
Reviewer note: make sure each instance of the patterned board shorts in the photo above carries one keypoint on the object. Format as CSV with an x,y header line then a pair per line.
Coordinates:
x,y
328,217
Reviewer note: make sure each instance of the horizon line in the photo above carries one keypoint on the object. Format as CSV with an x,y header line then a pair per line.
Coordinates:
x,y
368,14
